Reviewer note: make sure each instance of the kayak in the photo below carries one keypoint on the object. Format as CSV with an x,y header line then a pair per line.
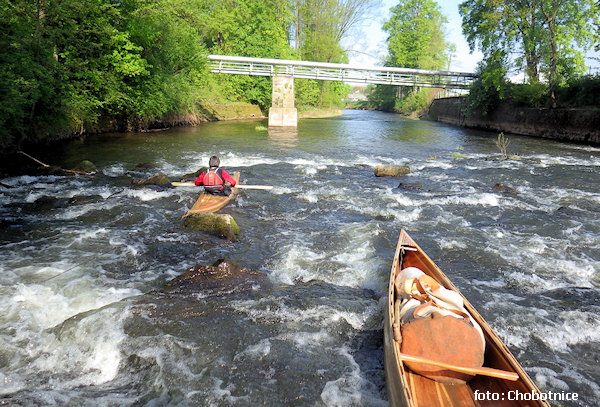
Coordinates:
x,y
212,203
499,380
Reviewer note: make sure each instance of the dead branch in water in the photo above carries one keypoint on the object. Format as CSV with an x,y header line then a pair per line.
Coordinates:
x,y
47,166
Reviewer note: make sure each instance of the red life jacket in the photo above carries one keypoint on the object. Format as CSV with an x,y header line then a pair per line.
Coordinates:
x,y
213,176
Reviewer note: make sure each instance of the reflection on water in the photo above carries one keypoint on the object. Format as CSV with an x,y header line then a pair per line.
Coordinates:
x,y
283,136
85,321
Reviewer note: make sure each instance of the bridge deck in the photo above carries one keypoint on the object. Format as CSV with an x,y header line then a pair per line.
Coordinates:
x,y
340,72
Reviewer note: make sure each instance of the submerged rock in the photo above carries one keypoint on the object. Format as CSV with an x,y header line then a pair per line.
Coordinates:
x,y
45,203
218,278
391,170
160,180
410,186
144,166
221,225
504,189
84,199
86,166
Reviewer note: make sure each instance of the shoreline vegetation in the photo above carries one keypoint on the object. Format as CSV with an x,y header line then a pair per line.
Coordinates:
x,y
70,69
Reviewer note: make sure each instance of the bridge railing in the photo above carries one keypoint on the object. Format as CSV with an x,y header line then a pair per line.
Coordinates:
x,y
339,72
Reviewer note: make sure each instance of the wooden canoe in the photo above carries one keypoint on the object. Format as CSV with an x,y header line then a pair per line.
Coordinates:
x,y
212,203
406,388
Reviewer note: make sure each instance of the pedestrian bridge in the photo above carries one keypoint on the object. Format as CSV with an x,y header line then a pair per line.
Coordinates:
x,y
284,71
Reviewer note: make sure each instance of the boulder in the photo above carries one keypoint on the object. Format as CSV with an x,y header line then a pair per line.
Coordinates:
x,y
86,166
221,277
159,179
391,170
221,225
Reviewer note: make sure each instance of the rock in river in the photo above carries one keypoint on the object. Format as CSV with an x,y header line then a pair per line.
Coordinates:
x,y
221,225
159,179
220,278
391,170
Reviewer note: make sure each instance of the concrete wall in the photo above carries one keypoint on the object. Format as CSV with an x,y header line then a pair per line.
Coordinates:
x,y
577,125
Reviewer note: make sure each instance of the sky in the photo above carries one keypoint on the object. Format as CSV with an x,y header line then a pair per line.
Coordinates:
x,y
370,41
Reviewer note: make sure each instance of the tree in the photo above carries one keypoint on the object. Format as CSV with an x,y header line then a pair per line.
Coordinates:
x,y
544,32
415,35
30,89
415,40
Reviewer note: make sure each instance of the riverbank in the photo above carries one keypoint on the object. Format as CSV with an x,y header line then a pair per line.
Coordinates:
x,y
319,113
575,125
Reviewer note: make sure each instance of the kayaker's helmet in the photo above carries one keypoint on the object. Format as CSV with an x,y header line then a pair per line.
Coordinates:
x,y
214,161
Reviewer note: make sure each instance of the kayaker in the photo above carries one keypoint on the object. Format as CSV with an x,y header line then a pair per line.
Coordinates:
x,y
216,180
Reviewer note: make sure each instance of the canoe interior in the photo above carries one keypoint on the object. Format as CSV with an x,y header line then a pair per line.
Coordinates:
x,y
409,389
212,203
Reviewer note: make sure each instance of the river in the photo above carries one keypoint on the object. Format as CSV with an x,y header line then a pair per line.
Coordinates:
x,y
85,321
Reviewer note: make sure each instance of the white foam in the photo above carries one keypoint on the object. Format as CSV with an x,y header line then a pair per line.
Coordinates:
x,y
146,194
96,356
354,264
345,391
114,170
351,389
259,350
570,328
41,307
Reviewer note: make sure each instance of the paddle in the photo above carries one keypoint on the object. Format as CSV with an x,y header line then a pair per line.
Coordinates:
x,y
191,184
484,371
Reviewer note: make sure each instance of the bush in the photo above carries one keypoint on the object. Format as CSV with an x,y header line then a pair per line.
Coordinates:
x,y
528,95
583,91
414,102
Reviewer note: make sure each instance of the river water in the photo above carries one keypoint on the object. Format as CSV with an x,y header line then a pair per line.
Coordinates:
x,y
85,321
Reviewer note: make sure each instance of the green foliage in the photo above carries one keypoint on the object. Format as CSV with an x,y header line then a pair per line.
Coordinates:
x,y
320,25
383,97
549,36
72,65
415,35
30,88
414,102
415,40
489,88
583,91
528,95
502,143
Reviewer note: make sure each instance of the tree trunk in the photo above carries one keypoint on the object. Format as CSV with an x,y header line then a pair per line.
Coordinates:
x,y
553,63
297,26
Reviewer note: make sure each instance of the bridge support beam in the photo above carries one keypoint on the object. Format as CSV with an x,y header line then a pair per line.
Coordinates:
x,y
282,112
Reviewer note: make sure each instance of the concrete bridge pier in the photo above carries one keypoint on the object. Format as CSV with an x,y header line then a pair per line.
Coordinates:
x,y
282,112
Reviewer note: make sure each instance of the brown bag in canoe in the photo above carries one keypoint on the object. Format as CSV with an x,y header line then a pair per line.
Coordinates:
x,y
436,326
442,338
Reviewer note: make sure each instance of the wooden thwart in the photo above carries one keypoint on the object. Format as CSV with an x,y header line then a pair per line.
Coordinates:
x,y
191,184
485,371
